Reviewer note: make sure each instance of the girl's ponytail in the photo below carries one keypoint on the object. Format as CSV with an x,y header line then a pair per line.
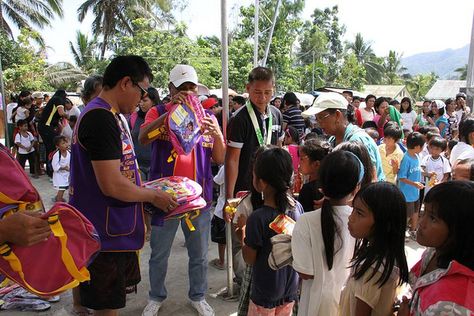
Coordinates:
x,y
329,229
340,173
275,167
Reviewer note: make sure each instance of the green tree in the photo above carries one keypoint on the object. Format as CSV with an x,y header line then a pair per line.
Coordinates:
x,y
115,17
162,49
366,57
419,85
240,63
64,75
352,73
28,68
327,21
393,68
28,14
462,71
288,25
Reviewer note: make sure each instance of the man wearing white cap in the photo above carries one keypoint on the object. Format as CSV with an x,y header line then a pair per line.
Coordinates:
x,y
330,110
196,166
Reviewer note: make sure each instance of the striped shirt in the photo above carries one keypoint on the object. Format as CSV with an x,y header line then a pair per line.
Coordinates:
x,y
293,117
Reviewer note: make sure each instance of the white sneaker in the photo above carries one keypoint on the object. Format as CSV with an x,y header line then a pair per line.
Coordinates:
x,y
203,308
152,308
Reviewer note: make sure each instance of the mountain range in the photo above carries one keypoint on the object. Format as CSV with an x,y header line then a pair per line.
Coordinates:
x,y
443,63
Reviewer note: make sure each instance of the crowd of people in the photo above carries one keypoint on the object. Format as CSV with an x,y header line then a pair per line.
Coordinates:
x,y
328,194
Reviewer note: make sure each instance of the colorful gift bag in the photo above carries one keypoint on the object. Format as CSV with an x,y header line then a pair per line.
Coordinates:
x,y
184,124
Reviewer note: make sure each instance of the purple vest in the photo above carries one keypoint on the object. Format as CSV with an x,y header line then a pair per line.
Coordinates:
x,y
163,163
120,224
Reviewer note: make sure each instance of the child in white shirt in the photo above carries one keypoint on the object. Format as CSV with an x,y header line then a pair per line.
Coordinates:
x,y
321,245
436,168
60,163
25,142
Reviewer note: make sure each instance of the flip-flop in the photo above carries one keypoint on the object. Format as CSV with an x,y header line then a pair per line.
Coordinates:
x,y
215,264
85,312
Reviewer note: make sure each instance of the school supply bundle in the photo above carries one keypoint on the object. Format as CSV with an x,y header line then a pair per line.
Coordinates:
x,y
281,254
184,124
187,192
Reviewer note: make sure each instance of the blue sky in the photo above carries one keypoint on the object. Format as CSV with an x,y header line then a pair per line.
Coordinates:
x,y
407,26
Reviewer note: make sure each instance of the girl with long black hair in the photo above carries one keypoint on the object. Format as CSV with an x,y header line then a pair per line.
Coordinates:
x,y
378,222
272,291
321,244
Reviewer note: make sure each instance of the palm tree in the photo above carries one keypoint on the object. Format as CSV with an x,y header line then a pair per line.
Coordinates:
x,y
115,16
393,68
365,56
83,51
419,85
63,74
28,14
462,71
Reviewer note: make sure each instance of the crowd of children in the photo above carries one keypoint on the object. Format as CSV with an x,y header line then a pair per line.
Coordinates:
x,y
348,247
348,231
28,145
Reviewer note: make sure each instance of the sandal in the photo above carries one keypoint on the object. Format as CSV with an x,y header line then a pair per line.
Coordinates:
x,y
84,312
216,264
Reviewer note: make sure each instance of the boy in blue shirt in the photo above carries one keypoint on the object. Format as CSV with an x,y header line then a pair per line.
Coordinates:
x,y
409,176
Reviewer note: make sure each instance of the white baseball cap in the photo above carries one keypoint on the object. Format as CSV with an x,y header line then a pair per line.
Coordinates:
x,y
183,73
326,100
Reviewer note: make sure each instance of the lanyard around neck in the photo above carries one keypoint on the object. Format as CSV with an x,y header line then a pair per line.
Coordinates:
x,y
256,127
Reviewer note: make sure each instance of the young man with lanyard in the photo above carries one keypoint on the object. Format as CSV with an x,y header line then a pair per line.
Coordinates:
x,y
105,184
330,110
196,166
254,125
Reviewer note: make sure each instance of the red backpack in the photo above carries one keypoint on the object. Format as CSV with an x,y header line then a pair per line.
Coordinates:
x,y
67,251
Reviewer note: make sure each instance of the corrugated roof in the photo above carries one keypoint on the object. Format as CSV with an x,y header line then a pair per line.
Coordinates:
x,y
384,90
443,89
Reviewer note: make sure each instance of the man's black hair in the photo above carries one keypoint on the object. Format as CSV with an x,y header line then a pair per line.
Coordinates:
x,y
132,66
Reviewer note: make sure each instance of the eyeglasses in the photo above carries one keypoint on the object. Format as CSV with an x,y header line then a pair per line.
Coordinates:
x,y
143,92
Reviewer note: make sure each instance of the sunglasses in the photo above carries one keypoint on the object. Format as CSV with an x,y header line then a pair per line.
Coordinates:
x,y
143,92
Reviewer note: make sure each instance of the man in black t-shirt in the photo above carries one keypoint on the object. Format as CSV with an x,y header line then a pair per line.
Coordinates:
x,y
105,185
244,137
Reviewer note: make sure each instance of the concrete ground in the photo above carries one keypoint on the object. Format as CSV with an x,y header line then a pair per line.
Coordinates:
x,y
177,280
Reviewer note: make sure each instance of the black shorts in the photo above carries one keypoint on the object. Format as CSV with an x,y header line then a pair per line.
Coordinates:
x,y
218,230
111,273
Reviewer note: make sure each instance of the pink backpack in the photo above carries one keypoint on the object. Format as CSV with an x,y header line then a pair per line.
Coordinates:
x,y
184,124
65,254
16,190
67,251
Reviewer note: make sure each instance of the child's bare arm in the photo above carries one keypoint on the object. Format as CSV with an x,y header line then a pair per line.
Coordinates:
x,y
418,185
249,254
446,177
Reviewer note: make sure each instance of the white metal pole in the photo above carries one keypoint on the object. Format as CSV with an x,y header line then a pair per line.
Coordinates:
x,y
4,106
269,40
255,43
470,70
225,117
